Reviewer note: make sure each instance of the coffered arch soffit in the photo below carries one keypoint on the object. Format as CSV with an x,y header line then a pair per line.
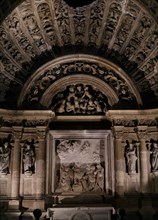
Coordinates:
x,y
35,32
101,73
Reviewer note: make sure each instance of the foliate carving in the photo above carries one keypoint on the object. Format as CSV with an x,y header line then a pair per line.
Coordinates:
x,y
79,99
133,123
25,123
17,31
107,75
46,19
153,150
30,21
5,154
126,25
10,47
86,175
139,34
62,16
79,20
131,158
149,45
96,18
115,11
29,157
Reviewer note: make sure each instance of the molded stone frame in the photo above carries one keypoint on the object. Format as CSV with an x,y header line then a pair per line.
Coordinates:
x,y
107,156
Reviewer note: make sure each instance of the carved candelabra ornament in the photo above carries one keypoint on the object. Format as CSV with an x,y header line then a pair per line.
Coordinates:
x,y
79,99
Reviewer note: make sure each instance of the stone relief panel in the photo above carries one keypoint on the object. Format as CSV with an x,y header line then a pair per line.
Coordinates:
x,y
80,163
79,99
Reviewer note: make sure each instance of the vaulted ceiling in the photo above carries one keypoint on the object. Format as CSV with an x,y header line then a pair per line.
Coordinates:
x,y
109,44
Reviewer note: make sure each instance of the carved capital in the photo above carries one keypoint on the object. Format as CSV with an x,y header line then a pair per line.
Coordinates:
x,y
41,133
118,132
17,133
141,132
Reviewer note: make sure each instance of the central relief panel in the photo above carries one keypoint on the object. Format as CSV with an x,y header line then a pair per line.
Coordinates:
x,y
80,162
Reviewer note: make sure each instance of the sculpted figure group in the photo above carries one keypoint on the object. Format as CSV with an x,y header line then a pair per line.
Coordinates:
x,y
77,177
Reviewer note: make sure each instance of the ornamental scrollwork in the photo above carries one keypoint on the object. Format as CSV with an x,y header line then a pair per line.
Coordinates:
x,y
79,99
51,75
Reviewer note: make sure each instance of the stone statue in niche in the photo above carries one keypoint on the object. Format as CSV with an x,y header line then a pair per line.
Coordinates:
x,y
29,157
79,99
5,151
79,166
154,157
131,158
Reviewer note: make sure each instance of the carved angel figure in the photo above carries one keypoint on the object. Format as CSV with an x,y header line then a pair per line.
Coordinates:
x,y
5,158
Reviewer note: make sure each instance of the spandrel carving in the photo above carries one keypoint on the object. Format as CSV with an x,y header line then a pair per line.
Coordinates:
x,y
79,99
76,175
